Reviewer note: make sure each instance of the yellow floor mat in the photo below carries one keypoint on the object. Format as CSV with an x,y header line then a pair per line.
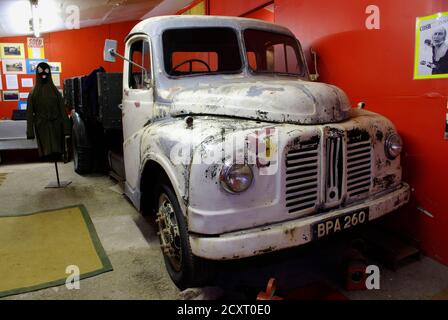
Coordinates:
x,y
36,249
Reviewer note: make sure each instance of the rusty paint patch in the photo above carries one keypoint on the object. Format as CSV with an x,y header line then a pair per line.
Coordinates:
x,y
357,135
212,171
262,115
290,233
379,135
385,182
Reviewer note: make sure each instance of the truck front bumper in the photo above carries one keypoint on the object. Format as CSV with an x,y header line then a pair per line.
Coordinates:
x,y
256,241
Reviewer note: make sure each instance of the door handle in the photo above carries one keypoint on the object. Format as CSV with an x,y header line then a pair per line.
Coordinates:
x,y
120,106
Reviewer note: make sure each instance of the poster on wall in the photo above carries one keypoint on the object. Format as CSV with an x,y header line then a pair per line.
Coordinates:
x,y
14,66
431,47
23,95
10,95
12,51
35,48
12,82
27,82
22,105
56,79
55,67
31,65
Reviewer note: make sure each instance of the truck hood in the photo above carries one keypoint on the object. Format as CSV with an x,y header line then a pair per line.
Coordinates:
x,y
287,101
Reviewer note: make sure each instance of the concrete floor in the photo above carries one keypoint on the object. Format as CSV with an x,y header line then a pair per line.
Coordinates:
x,y
139,272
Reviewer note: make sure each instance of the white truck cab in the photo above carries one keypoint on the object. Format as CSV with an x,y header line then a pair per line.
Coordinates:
x,y
236,151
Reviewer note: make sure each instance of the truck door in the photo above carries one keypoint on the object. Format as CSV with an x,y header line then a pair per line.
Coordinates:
x,y
138,103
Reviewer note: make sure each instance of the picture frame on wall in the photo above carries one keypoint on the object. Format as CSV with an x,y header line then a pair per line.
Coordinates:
x,y
10,95
431,47
56,67
31,65
12,51
21,105
14,66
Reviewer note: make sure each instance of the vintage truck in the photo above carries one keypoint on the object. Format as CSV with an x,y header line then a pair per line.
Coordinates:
x,y
233,148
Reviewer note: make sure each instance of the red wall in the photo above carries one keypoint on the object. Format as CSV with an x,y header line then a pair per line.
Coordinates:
x,y
235,7
261,14
79,51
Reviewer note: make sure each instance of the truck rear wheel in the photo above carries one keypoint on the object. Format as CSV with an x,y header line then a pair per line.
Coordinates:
x,y
82,157
185,269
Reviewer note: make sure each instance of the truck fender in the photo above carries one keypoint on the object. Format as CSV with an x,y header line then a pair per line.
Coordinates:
x,y
156,163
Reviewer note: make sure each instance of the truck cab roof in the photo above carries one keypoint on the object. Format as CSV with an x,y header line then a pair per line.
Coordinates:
x,y
155,26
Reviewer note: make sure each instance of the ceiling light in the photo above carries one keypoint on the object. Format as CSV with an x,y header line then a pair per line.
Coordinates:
x,y
35,17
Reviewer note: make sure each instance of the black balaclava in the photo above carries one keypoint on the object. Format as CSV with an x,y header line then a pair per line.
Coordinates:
x,y
43,73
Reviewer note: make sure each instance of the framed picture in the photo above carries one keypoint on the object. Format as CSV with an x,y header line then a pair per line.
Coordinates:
x,y
31,65
14,66
431,47
10,95
35,48
12,51
56,67
22,105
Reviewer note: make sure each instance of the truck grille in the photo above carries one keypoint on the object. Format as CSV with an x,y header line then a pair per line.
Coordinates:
x,y
302,177
358,167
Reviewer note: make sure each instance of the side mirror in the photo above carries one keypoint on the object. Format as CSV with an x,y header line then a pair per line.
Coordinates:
x,y
314,76
110,49
110,52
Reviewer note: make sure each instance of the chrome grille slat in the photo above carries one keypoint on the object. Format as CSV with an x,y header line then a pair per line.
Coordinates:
x,y
302,174
307,170
358,151
352,163
354,181
301,161
299,185
355,145
358,184
303,193
301,206
359,162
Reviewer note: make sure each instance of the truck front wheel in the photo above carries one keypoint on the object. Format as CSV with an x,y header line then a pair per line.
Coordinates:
x,y
185,269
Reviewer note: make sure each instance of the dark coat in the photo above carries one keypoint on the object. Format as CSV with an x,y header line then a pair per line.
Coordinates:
x,y
46,117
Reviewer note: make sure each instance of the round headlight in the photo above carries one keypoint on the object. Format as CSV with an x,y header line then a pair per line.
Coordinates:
x,y
236,178
393,146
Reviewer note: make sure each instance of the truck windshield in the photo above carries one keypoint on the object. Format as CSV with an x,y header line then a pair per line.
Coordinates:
x,y
192,51
269,52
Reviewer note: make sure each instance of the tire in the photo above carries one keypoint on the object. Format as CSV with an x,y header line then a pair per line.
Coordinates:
x,y
185,269
82,157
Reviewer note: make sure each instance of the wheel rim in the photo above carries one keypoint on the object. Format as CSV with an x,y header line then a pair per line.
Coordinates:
x,y
169,235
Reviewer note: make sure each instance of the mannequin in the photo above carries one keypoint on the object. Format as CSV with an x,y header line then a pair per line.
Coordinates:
x,y
46,117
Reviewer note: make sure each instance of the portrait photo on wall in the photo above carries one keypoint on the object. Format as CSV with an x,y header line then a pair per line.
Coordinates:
x,y
431,48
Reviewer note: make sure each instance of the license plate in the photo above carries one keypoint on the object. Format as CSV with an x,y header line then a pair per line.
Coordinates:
x,y
340,223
